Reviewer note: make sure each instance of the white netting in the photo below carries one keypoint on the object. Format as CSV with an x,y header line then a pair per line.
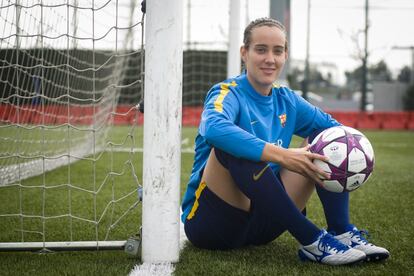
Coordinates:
x,y
65,68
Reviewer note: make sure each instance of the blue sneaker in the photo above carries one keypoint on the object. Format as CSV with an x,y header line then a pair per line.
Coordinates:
x,y
328,250
356,239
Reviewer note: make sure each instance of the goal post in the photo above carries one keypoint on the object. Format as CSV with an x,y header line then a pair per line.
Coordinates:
x,y
235,37
162,131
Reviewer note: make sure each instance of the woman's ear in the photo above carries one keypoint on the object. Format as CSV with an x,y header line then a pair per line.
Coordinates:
x,y
243,53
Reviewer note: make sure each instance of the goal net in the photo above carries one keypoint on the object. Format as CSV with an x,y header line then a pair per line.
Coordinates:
x,y
69,71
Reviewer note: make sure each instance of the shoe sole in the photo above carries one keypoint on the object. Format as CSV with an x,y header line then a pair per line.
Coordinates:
x,y
376,257
304,258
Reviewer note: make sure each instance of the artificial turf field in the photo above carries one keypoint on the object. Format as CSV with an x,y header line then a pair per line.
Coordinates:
x,y
383,206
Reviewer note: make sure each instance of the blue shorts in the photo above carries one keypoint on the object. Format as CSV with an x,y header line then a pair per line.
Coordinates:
x,y
217,225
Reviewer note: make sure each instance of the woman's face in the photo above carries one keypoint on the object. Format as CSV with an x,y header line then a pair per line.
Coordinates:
x,y
264,58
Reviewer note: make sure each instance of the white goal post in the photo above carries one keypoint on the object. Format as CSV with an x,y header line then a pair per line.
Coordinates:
x,y
162,131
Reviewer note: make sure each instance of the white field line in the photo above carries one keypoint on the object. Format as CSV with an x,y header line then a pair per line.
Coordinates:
x,y
134,150
191,149
185,148
160,269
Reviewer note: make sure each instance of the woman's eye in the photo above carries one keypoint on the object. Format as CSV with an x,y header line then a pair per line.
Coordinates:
x,y
278,51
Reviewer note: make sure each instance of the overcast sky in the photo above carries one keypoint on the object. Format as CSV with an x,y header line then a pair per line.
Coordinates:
x,y
333,23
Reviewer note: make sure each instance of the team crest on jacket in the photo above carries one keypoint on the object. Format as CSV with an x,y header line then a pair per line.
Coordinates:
x,y
282,119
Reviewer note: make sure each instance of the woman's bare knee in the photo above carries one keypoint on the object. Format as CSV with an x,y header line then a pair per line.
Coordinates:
x,y
298,187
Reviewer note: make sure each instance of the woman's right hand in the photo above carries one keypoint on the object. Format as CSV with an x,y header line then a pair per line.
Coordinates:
x,y
299,160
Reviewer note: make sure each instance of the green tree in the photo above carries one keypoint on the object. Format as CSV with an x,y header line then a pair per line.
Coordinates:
x,y
380,72
295,78
316,79
409,99
377,72
404,75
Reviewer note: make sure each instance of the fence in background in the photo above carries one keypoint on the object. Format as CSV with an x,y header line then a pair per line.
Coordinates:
x,y
191,116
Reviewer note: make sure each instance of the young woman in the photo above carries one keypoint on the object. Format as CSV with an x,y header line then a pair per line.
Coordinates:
x,y
247,187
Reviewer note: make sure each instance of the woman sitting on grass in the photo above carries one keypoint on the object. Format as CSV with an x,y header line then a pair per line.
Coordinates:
x,y
247,186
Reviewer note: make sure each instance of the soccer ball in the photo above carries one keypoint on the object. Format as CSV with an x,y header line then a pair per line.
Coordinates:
x,y
351,158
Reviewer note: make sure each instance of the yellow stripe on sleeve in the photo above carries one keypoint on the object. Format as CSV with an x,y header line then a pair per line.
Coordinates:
x,y
195,205
224,90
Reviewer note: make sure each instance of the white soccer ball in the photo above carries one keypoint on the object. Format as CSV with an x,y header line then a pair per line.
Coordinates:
x,y
351,158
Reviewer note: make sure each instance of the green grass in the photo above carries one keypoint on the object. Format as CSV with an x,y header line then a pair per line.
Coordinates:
x,y
383,206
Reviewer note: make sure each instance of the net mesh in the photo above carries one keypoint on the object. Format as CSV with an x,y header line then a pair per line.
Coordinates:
x,y
66,68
